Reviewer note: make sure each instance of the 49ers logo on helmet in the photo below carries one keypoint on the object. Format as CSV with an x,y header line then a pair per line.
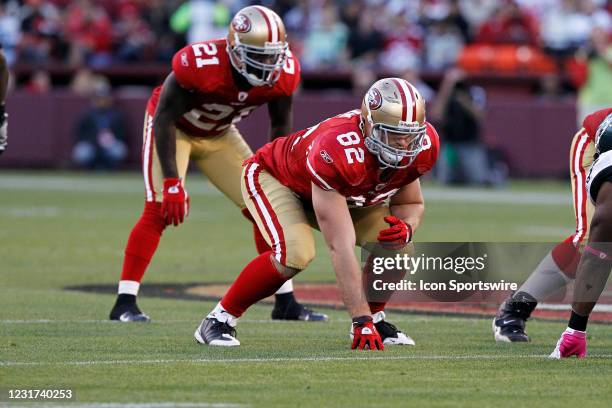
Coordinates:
x,y
374,99
241,23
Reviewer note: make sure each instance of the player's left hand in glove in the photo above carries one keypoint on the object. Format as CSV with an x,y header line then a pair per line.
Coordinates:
x,y
3,130
571,343
397,235
175,204
365,335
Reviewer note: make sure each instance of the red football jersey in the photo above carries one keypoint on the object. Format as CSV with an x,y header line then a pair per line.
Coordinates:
x,y
592,122
332,154
205,68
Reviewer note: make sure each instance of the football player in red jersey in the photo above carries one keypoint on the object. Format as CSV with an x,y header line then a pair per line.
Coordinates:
x,y
213,84
559,266
355,177
596,260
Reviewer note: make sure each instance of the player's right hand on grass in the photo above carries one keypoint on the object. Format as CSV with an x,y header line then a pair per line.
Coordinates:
x,y
365,335
175,204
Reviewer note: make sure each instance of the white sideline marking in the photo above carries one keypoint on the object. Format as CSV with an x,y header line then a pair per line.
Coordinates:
x,y
169,404
198,186
482,196
544,230
279,360
93,184
567,306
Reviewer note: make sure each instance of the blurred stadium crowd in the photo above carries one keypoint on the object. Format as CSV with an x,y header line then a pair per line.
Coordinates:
x,y
325,34
561,46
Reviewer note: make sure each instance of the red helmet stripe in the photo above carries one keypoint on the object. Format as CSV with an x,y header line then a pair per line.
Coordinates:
x,y
403,96
265,16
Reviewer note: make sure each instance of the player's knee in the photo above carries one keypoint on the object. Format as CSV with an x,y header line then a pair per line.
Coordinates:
x,y
287,271
299,256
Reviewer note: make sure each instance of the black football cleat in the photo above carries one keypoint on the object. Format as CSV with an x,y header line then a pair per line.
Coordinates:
x,y
390,334
216,333
127,311
296,311
509,323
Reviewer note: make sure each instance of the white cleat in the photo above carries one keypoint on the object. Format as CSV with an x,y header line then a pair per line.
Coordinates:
x,y
216,332
389,334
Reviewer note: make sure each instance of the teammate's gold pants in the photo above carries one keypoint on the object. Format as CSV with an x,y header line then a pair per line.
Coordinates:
x,y
581,159
287,225
220,159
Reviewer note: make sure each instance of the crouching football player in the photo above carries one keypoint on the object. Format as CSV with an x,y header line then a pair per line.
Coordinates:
x,y
596,262
354,176
558,267
213,84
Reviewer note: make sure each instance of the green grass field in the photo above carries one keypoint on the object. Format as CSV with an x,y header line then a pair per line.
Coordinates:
x,y
59,230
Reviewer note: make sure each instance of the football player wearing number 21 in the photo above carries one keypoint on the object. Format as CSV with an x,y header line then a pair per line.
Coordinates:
x,y
192,116
355,177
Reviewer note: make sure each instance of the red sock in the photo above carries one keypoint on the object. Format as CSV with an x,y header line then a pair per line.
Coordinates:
x,y
567,257
143,242
260,242
376,307
258,280
377,300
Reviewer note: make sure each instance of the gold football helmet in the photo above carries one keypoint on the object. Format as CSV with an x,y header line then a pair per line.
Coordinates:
x,y
393,120
257,45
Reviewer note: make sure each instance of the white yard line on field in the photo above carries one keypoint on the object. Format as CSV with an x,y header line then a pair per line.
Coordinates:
x,y
196,322
279,360
168,404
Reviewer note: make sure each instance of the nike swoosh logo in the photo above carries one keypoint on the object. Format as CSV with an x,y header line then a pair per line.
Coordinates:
x,y
508,321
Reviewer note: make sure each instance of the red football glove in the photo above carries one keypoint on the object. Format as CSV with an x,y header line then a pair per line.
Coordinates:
x,y
365,335
175,204
397,235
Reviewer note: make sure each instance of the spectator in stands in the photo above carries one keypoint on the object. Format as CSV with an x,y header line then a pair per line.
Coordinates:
x,y
403,42
41,28
459,112
476,12
298,19
564,29
365,41
456,18
9,30
39,83
157,15
100,132
551,87
201,19
509,25
325,44
362,77
90,32
133,35
593,74
443,43
83,82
